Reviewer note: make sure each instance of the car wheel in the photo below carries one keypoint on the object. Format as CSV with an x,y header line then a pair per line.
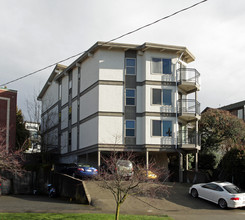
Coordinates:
x,y
194,193
222,204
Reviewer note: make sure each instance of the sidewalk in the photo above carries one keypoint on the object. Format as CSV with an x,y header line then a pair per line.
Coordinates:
x,y
178,205
41,204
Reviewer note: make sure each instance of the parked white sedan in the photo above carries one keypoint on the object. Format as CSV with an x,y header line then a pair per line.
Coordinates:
x,y
224,194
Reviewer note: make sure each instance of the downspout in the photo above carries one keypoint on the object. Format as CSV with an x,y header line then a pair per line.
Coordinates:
x,y
176,118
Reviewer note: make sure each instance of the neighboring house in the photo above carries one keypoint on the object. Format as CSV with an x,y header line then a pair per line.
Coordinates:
x,y
236,109
8,100
123,97
35,137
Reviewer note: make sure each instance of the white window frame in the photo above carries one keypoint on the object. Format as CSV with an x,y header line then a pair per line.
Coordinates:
x,y
130,128
161,120
130,97
161,72
130,66
161,97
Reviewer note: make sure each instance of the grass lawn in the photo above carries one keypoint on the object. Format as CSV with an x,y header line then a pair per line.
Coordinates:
x,y
45,216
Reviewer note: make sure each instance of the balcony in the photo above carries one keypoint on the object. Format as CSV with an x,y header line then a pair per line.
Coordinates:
x,y
188,109
188,80
189,140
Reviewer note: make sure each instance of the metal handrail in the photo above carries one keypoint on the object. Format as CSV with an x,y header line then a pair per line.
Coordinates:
x,y
188,106
188,75
187,137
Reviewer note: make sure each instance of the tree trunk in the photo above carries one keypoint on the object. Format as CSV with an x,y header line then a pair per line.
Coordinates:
x,y
117,211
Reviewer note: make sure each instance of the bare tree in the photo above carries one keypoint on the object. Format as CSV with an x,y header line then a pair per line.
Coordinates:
x,y
122,181
34,108
10,159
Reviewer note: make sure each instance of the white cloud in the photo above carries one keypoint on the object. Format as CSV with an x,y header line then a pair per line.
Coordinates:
x,y
37,33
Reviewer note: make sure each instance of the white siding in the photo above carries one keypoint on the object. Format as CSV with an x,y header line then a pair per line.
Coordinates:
x,y
74,82
89,72
50,119
74,112
53,138
111,65
89,133
140,68
64,142
110,130
50,97
111,98
50,139
74,139
140,130
89,103
64,118
64,84
140,99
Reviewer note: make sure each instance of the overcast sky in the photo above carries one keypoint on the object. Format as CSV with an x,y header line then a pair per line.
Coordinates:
x,y
37,33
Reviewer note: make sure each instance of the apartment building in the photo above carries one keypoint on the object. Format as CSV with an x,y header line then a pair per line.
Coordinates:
x,y
124,97
8,100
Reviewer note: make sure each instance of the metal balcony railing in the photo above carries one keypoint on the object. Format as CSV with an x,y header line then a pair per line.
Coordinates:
x,y
188,106
187,137
188,75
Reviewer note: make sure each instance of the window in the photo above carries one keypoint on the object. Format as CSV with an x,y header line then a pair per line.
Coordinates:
x,y
162,96
156,99
130,128
130,66
167,128
130,96
167,97
156,128
212,186
240,113
166,66
162,128
163,66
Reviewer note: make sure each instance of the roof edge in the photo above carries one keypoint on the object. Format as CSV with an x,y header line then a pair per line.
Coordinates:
x,y
187,56
50,79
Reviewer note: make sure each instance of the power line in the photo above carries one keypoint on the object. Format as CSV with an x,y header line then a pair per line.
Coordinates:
x,y
121,36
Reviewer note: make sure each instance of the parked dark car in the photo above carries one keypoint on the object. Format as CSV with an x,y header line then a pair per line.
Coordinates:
x,y
80,170
85,171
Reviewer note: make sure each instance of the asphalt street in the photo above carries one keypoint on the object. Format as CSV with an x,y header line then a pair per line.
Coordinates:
x,y
178,205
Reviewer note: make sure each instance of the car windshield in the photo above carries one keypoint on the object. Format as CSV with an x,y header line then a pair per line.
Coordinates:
x,y
125,163
83,165
232,189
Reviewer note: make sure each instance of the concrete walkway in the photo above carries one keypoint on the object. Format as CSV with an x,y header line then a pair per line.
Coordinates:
x,y
41,204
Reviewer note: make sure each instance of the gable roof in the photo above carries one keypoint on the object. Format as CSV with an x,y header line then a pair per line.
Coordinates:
x,y
57,69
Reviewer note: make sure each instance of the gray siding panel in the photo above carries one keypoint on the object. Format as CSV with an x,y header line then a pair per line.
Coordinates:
x,y
130,112
130,141
130,81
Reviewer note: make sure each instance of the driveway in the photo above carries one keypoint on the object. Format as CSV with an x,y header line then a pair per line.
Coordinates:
x,y
178,205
